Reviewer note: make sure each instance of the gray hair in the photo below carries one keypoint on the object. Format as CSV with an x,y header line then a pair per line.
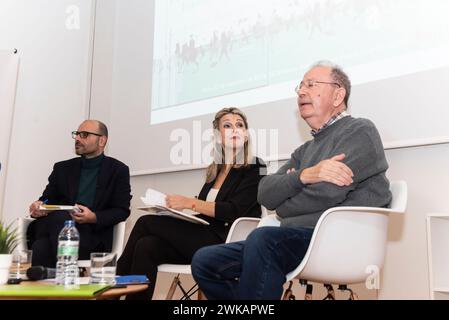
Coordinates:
x,y
338,75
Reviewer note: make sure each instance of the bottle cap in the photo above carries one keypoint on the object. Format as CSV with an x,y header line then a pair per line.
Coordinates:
x,y
69,223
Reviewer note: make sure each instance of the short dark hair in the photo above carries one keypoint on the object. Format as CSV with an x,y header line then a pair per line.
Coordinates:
x,y
102,129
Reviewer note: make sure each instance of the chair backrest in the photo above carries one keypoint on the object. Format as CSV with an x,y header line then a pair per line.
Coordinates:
x,y
349,242
344,246
270,220
118,239
399,196
22,226
241,228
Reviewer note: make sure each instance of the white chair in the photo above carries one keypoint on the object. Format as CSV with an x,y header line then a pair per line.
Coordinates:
x,y
239,231
117,242
347,244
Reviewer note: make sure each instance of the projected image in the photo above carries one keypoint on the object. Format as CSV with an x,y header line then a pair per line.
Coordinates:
x,y
210,53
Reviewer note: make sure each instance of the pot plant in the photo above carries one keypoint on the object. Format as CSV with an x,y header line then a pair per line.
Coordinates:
x,y
8,242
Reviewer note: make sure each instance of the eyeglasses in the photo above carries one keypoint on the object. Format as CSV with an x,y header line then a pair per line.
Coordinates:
x,y
83,134
310,83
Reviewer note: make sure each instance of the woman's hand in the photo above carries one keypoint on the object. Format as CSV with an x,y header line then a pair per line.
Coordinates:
x,y
179,202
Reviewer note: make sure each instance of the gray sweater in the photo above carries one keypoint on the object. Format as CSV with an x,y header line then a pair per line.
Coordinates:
x,y
300,205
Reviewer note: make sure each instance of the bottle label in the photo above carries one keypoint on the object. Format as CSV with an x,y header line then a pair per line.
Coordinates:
x,y
68,248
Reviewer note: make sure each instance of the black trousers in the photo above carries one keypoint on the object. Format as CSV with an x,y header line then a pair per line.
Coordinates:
x,y
156,240
42,235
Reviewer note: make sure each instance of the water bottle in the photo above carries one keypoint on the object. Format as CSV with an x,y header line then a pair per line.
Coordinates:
x,y
67,271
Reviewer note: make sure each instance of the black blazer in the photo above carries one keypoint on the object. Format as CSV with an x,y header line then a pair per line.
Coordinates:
x,y
236,198
112,197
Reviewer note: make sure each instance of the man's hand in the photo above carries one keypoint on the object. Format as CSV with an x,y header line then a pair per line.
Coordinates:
x,y
178,202
34,210
330,170
85,215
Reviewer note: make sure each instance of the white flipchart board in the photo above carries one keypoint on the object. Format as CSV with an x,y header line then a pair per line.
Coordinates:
x,y
9,64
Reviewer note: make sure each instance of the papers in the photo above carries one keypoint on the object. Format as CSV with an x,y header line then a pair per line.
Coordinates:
x,y
155,204
56,207
154,197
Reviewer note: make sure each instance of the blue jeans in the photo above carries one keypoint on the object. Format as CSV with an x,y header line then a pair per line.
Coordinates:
x,y
251,269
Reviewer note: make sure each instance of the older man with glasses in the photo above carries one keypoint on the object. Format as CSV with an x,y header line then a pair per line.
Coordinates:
x,y
96,184
342,165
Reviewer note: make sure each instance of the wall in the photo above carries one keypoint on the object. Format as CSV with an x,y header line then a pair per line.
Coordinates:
x,y
53,38
103,60
9,66
427,174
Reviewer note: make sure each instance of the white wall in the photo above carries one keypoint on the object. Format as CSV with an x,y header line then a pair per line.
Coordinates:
x,y
103,60
9,66
426,171
53,90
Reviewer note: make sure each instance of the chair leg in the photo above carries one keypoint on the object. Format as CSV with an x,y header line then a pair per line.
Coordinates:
x,y
352,294
185,294
172,289
288,294
309,290
330,292
189,293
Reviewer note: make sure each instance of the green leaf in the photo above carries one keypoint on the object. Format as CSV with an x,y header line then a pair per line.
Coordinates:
x,y
8,238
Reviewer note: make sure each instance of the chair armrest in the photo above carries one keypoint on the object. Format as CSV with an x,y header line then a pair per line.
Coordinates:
x,y
22,226
269,221
119,238
363,209
241,228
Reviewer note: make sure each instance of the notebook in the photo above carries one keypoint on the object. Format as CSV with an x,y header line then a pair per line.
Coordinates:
x,y
32,290
155,204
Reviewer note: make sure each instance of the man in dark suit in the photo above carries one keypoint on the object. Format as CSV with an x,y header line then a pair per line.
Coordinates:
x,y
98,185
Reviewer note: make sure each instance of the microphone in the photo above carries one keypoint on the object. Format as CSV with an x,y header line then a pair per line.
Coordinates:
x,y
41,272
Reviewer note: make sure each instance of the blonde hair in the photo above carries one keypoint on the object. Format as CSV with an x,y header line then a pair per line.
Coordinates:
x,y
219,154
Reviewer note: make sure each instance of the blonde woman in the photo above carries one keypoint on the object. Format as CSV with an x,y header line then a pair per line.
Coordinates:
x,y
229,192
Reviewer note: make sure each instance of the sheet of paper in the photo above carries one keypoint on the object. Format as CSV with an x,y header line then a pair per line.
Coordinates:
x,y
154,198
